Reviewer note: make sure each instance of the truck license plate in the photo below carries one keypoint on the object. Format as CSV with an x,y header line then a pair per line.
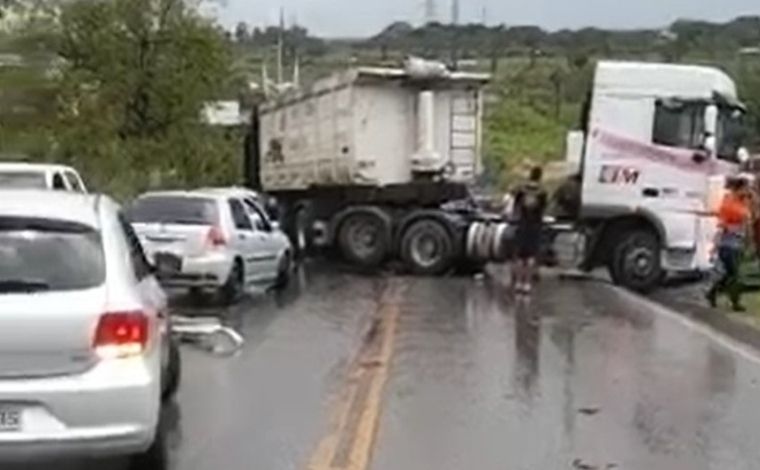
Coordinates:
x,y
10,419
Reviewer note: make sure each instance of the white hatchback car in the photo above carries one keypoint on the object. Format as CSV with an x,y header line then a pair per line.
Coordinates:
x,y
86,354
211,239
40,176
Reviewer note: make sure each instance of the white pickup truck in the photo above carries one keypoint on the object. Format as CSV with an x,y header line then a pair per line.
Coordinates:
x,y
15,175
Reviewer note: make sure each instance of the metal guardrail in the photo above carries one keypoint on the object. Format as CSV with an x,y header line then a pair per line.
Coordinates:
x,y
208,333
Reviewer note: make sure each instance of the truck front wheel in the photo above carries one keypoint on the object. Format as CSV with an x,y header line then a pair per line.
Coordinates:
x,y
427,247
635,262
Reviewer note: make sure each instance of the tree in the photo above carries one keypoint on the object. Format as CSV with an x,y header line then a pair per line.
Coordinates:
x,y
133,79
242,33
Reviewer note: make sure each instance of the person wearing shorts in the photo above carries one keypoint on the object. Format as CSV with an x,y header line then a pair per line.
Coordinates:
x,y
529,207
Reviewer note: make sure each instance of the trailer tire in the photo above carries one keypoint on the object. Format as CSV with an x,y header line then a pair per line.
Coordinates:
x,y
301,237
427,247
364,237
635,262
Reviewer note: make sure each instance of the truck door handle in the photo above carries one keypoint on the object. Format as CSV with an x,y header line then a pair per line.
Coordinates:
x,y
651,192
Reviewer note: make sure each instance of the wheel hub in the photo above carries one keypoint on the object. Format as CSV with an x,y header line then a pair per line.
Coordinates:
x,y
364,238
640,262
426,250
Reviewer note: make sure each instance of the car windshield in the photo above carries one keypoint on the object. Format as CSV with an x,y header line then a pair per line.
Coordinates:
x,y
48,255
173,210
22,180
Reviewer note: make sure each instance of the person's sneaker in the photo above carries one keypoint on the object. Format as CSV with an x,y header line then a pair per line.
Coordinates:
x,y
739,308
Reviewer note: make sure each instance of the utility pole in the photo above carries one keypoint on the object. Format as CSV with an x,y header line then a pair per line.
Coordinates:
x,y
430,11
455,34
280,47
455,12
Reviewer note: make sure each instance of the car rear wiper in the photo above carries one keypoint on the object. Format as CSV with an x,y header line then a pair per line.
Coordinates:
x,y
23,285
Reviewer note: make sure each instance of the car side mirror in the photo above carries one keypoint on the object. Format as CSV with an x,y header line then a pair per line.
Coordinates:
x,y
275,226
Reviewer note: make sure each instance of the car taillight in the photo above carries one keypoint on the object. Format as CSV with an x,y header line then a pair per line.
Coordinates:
x,y
121,334
216,237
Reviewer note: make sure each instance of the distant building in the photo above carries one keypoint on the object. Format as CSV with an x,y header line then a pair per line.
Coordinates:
x,y
749,51
223,114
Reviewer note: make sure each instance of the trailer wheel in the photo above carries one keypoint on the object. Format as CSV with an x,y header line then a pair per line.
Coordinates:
x,y
635,262
364,237
427,247
301,234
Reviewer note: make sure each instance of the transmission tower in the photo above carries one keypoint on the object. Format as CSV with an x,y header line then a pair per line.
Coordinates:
x,y
430,11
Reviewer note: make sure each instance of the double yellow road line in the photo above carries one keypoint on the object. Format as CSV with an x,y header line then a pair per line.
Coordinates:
x,y
353,429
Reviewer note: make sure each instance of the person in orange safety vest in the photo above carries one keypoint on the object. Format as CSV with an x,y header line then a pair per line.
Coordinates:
x,y
733,217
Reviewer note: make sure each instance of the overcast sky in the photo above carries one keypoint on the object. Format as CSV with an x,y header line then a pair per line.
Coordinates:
x,y
367,17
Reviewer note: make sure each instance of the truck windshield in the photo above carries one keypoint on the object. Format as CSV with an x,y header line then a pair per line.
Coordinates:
x,y
730,132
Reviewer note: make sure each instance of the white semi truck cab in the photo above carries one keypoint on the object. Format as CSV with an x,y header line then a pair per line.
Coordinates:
x,y
657,143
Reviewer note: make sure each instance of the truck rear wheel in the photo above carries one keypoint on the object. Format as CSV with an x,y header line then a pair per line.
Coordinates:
x,y
427,247
364,237
635,262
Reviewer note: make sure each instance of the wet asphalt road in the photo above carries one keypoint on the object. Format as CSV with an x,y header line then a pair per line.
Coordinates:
x,y
582,376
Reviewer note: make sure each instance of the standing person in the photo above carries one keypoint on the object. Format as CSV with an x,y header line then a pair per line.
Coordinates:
x,y
733,217
529,207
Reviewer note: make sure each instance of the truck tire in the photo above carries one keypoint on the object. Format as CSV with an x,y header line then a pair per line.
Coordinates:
x,y
427,247
301,235
635,262
364,237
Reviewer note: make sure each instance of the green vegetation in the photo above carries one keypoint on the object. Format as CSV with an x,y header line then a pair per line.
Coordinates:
x,y
117,90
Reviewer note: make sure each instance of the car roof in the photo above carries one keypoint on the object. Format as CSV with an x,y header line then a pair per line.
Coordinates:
x,y
231,191
24,166
174,193
56,205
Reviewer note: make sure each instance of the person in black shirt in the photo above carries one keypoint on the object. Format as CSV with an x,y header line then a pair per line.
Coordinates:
x,y
529,207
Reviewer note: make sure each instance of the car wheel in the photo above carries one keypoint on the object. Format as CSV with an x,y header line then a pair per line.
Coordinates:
x,y
635,261
173,372
233,289
427,247
283,272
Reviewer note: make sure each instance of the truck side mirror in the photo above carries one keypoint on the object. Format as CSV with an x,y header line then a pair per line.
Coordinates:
x,y
711,120
743,155
710,144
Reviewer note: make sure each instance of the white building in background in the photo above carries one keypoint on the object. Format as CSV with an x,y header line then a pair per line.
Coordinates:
x,y
224,114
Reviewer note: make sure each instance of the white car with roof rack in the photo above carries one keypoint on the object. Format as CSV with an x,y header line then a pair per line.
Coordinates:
x,y
211,239
20,175
86,355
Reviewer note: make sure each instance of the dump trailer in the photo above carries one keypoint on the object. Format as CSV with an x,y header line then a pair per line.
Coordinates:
x,y
375,164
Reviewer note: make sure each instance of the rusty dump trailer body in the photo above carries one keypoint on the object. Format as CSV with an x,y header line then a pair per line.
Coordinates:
x,y
376,163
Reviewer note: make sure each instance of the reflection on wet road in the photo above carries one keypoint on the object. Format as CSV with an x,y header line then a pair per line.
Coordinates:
x,y
582,376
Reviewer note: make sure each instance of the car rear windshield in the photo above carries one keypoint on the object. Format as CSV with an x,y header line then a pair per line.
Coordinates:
x,y
49,255
173,210
22,180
